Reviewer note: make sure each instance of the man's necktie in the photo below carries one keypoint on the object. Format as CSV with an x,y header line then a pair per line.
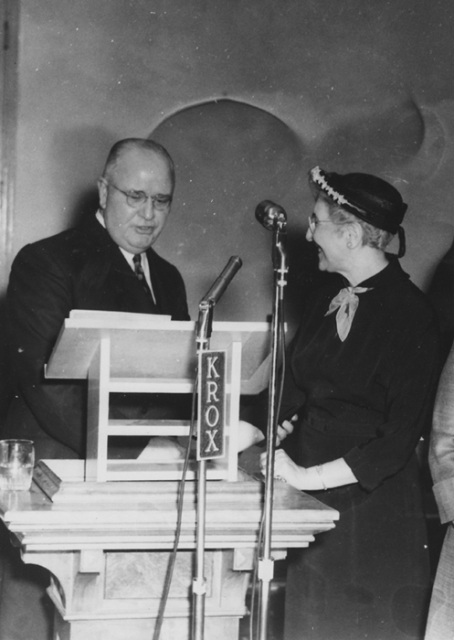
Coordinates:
x,y
138,269
346,302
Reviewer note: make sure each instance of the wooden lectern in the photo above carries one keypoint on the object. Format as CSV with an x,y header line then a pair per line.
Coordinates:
x,y
140,353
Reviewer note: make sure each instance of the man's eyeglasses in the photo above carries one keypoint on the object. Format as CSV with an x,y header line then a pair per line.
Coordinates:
x,y
139,198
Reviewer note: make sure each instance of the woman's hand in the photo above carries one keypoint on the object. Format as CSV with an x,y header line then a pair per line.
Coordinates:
x,y
336,473
287,470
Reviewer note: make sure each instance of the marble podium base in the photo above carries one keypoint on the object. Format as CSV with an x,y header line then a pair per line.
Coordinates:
x,y
107,546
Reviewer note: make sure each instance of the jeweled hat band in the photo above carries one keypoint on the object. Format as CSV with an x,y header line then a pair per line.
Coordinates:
x,y
370,198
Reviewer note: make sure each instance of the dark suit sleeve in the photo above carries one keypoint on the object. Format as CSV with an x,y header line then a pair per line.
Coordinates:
x,y
39,300
410,397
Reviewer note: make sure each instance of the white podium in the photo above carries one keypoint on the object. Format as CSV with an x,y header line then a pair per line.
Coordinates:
x,y
141,353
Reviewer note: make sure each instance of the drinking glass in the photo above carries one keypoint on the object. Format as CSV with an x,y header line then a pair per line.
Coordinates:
x,y
17,458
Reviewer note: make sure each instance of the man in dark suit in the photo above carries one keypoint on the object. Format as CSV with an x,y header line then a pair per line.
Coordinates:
x,y
90,267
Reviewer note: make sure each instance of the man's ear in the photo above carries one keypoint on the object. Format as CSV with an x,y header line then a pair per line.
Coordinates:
x,y
102,191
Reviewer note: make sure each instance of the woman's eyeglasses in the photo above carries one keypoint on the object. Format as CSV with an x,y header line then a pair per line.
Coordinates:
x,y
314,222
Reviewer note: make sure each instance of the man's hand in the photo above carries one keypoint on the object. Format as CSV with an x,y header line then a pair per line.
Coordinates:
x,y
248,435
285,429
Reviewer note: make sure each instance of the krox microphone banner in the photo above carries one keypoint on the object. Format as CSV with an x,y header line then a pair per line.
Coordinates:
x,y
212,389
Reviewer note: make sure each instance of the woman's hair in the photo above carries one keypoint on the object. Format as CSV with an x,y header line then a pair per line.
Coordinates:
x,y
372,236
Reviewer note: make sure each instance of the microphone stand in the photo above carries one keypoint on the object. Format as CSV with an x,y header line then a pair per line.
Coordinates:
x,y
204,330
266,562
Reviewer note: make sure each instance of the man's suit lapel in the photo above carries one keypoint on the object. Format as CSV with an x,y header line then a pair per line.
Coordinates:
x,y
161,286
108,274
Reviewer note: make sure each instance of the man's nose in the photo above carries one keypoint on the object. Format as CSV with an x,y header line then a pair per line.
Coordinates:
x,y
147,210
309,235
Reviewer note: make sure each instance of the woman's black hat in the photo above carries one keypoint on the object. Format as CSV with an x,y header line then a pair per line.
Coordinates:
x,y
369,198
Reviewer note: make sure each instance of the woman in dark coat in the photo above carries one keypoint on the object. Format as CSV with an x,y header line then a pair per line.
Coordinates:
x,y
360,379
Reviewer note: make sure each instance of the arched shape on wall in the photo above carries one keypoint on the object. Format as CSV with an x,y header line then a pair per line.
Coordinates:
x,y
230,156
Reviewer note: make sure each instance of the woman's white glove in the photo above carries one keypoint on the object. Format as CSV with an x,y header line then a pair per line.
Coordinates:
x,y
326,476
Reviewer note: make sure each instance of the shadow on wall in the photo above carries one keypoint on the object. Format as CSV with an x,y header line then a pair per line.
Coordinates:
x,y
85,205
84,151
230,156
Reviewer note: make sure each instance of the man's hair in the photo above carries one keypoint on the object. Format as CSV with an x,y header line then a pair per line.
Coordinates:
x,y
122,146
372,236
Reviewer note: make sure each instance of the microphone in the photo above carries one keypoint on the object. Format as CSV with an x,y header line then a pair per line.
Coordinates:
x,y
270,214
221,283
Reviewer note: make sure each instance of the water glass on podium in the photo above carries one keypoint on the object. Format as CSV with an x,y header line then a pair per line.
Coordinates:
x,y
17,459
